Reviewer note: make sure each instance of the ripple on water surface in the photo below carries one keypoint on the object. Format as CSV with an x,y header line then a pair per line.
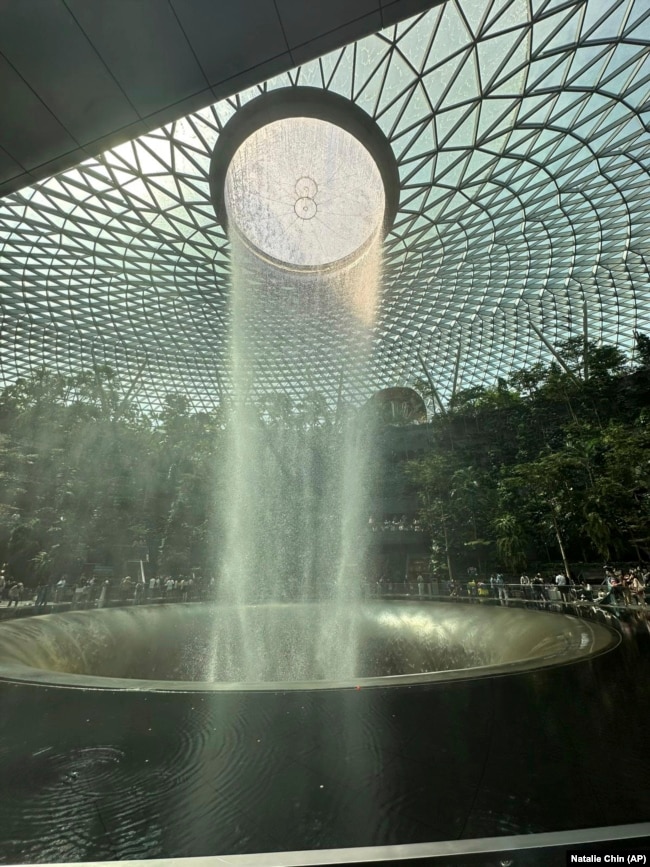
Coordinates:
x,y
164,775
114,799
98,775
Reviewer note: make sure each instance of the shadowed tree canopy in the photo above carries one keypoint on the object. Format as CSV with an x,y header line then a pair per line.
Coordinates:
x,y
554,463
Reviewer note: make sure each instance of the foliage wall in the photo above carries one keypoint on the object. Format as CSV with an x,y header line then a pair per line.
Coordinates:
x,y
550,465
86,477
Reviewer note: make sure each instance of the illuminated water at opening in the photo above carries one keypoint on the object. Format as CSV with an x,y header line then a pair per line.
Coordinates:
x,y
304,193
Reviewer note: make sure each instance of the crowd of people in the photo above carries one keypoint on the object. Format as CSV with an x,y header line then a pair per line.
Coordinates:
x,y
614,586
618,587
12,591
397,523
626,587
96,592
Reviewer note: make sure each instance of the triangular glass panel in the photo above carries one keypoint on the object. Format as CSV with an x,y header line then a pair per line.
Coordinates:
x,y
617,84
465,135
153,155
612,23
603,110
562,28
512,79
419,141
536,109
566,109
466,84
122,178
475,14
438,80
122,155
493,57
165,183
413,201
637,18
497,117
451,35
624,58
340,81
506,14
414,44
398,79
444,160
452,176
446,121
479,163
369,93
549,72
389,117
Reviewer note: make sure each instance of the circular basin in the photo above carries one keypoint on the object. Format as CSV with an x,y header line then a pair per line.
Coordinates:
x,y
201,647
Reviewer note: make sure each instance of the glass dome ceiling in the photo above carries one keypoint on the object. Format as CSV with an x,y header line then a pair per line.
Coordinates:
x,y
520,128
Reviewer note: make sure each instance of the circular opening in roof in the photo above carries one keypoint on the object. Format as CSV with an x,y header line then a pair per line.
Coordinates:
x,y
305,178
304,193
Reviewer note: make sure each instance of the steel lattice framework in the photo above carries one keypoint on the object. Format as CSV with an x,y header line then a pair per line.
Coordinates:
x,y
520,128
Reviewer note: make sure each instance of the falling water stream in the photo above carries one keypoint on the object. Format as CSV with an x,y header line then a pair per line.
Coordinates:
x,y
297,477
306,207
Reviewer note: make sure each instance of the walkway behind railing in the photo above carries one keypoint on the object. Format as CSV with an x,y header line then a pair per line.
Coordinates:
x,y
545,597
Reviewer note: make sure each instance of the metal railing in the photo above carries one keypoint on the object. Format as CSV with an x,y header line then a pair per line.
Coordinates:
x,y
430,589
545,849
545,598
540,596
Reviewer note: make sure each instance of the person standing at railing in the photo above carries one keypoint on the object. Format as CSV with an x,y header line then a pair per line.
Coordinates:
x,y
59,590
452,589
607,597
538,587
637,588
126,587
524,581
563,586
103,594
138,593
502,589
15,594
42,594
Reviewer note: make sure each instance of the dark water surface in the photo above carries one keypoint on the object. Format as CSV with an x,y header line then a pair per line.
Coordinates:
x,y
89,775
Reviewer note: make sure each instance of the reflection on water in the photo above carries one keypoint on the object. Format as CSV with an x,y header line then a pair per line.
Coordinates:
x,y
97,775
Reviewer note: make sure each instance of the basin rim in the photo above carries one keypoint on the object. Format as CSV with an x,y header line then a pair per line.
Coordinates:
x,y
605,639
